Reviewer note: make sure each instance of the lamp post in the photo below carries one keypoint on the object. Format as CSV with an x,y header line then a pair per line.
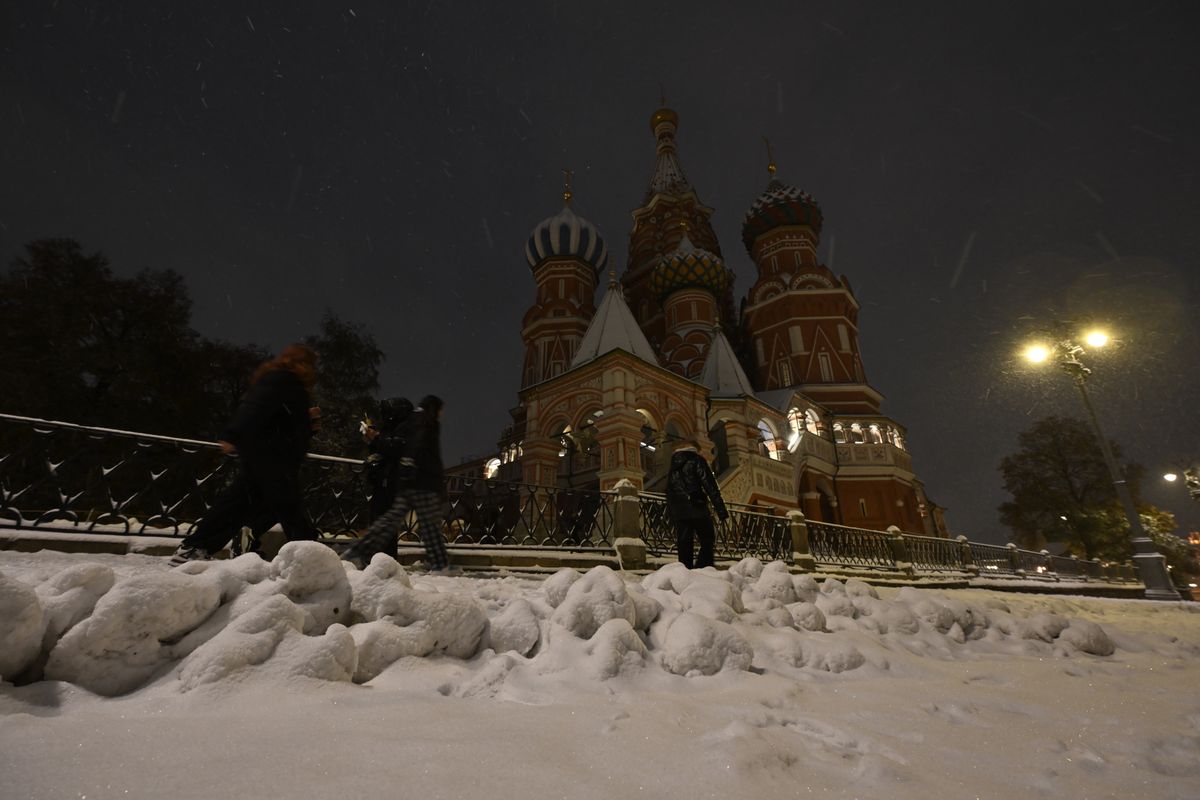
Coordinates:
x,y
1152,567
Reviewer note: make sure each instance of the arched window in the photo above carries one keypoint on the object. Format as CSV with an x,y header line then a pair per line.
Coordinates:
x,y
839,433
769,443
856,433
874,435
812,422
492,468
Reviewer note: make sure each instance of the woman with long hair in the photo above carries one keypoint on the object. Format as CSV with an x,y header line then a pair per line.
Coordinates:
x,y
269,432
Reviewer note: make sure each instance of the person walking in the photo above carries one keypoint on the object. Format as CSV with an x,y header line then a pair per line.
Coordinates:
x,y
270,432
385,446
421,489
690,487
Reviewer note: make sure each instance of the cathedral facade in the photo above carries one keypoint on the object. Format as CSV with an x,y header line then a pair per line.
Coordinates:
x,y
773,388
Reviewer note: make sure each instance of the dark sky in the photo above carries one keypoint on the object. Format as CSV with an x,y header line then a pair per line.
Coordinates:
x,y
984,169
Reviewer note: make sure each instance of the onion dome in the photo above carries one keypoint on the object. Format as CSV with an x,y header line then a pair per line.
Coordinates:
x,y
689,266
780,205
567,235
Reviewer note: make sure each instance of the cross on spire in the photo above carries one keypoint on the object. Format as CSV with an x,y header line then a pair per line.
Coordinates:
x,y
567,194
770,157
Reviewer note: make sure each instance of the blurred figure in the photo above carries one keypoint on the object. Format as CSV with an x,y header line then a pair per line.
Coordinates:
x,y
385,446
691,485
421,488
270,432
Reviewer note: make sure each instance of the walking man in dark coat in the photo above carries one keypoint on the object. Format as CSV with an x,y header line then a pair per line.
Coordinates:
x,y
270,432
421,489
690,487
385,446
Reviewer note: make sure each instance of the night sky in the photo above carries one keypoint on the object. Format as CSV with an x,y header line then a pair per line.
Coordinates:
x,y
984,169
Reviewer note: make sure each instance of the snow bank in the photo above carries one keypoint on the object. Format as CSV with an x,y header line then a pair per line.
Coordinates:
x,y
308,614
696,645
126,638
22,623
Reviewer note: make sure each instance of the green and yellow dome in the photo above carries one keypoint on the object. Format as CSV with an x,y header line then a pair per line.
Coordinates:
x,y
689,266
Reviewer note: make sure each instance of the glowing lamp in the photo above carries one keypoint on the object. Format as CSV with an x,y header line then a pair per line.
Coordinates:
x,y
1037,353
1096,338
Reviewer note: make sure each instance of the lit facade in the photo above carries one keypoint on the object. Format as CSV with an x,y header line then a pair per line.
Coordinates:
x,y
776,392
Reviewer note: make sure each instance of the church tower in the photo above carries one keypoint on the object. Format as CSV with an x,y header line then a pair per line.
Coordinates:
x,y
670,208
801,321
566,254
688,283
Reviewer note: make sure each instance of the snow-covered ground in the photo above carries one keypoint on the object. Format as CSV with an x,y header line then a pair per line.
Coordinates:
x,y
300,679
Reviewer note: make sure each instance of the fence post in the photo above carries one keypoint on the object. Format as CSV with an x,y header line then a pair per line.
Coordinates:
x,y
1079,573
627,533
899,549
1048,565
802,555
1014,560
968,556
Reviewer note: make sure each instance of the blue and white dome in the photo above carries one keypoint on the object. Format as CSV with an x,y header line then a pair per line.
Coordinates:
x,y
567,235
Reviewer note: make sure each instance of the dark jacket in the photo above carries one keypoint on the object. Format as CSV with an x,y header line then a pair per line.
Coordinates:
x,y
272,423
421,463
690,487
386,449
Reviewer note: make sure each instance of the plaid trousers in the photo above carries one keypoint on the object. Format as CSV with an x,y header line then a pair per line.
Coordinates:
x,y
381,536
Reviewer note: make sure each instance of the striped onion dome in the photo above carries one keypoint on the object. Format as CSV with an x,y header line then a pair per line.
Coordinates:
x,y
567,235
689,266
780,205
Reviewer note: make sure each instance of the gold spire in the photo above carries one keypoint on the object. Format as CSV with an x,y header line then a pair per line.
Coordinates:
x,y
663,114
567,194
770,158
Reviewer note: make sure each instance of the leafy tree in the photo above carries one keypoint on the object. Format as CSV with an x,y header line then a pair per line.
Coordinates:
x,y
1062,490
80,344
348,362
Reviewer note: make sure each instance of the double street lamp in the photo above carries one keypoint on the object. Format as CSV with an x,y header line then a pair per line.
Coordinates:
x,y
1067,354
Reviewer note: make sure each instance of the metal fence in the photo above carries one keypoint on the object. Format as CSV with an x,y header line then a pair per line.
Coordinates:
x,y
850,547
748,532
931,554
501,514
62,476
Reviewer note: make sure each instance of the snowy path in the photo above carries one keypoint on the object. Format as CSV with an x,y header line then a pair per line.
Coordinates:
x,y
913,694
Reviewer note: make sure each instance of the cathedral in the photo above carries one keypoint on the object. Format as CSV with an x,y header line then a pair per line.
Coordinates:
x,y
773,388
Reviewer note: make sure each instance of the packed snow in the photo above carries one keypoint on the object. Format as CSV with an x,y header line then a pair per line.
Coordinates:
x,y
305,677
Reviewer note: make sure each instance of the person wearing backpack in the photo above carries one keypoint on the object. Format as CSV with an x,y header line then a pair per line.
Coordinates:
x,y
691,486
421,488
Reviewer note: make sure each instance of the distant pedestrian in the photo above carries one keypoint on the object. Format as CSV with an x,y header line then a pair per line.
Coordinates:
x,y
690,487
270,432
421,489
385,446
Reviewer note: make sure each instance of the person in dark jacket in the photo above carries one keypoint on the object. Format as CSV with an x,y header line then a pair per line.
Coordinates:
x,y
270,432
421,489
385,446
690,487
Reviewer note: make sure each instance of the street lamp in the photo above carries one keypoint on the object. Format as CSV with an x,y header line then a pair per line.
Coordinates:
x,y
1191,480
1066,353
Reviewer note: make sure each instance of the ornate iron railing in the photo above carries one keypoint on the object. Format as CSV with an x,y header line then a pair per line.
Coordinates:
x,y
502,514
57,475
935,555
749,532
992,559
850,547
